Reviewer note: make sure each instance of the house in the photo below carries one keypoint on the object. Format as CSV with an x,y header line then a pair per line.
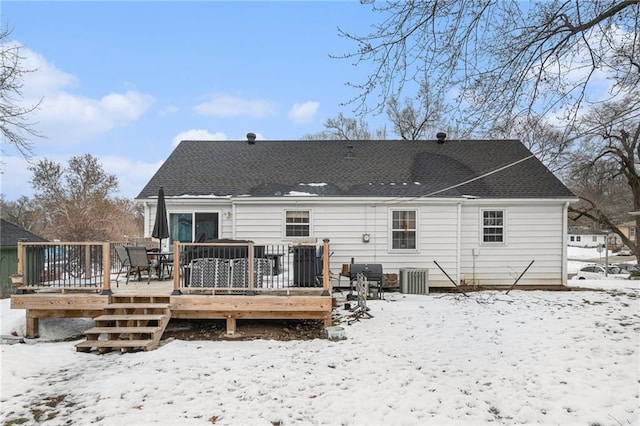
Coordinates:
x,y
477,211
10,235
587,237
629,230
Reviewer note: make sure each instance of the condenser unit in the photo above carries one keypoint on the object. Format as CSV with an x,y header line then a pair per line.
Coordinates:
x,y
414,281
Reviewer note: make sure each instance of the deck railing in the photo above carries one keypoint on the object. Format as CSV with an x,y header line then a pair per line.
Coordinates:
x,y
209,268
238,267
78,265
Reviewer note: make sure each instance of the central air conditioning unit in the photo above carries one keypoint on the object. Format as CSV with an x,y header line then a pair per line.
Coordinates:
x,y
414,281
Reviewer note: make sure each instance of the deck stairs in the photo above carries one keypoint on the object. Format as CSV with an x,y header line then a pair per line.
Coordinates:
x,y
129,323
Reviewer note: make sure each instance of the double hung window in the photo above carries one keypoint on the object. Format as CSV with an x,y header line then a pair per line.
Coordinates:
x,y
493,230
404,229
297,223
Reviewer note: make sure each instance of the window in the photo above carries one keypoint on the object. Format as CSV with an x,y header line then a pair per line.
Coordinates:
x,y
632,232
403,229
572,238
578,238
297,223
594,239
493,226
181,226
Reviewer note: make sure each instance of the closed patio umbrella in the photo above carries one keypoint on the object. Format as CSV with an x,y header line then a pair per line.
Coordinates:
x,y
161,226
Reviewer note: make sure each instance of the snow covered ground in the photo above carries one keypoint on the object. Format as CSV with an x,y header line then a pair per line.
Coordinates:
x,y
537,357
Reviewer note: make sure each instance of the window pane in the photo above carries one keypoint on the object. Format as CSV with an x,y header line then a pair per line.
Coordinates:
x,y
180,226
207,225
297,223
493,226
403,233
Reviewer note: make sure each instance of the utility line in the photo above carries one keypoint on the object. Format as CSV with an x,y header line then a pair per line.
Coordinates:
x,y
400,200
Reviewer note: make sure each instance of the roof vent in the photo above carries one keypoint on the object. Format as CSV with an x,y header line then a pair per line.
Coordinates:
x,y
441,136
251,138
349,155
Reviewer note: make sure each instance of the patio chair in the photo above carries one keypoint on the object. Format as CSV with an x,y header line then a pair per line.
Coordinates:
x,y
139,262
123,258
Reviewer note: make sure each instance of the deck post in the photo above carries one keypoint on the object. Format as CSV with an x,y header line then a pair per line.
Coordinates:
x,y
106,269
325,268
328,321
177,268
21,256
231,325
250,284
33,326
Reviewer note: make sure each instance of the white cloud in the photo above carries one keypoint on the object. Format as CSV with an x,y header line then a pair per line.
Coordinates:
x,y
132,174
66,118
232,106
198,135
304,113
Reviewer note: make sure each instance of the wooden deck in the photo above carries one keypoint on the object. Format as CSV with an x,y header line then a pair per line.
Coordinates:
x,y
285,304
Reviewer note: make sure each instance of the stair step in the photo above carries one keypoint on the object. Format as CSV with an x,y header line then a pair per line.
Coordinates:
x,y
115,344
140,299
131,317
120,330
138,306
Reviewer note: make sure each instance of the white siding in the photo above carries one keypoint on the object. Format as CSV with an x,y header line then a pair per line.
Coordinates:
x,y
533,230
344,225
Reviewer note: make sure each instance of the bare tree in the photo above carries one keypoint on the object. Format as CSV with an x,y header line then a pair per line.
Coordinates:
x,y
550,145
75,200
609,155
15,126
23,212
501,59
344,128
412,120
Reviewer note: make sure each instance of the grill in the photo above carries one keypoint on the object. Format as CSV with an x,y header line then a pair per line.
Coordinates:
x,y
371,271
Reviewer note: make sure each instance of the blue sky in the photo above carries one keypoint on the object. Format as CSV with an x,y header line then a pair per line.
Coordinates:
x,y
125,81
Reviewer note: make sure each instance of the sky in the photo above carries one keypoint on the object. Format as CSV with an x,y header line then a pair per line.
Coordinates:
x,y
126,81
527,357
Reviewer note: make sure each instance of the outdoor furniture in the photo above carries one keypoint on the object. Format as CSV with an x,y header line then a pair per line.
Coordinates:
x,y
226,273
123,258
139,262
209,272
163,262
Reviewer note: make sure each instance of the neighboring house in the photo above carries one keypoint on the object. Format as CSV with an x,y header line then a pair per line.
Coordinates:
x,y
483,210
587,237
629,230
10,235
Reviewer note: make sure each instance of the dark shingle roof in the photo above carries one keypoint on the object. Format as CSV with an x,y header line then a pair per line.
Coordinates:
x,y
11,234
579,231
376,168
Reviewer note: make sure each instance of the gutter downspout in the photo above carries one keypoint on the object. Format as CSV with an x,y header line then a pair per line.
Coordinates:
x,y
458,241
565,237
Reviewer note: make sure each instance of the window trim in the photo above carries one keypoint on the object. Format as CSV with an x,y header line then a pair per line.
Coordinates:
x,y
416,230
284,224
504,227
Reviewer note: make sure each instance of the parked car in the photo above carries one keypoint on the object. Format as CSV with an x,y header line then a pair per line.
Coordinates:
x,y
597,272
629,267
624,251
